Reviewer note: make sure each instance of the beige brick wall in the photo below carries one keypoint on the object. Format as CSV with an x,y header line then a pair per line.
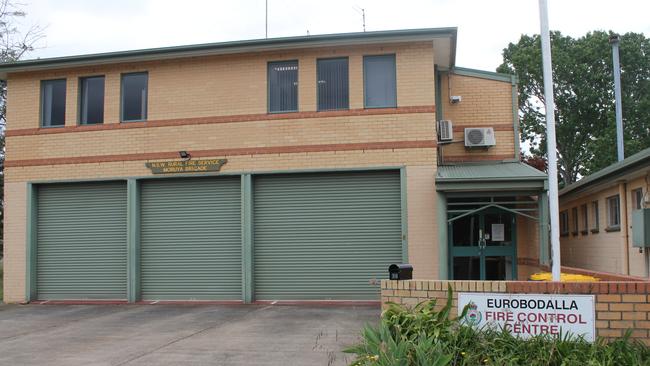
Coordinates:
x,y
603,251
223,85
298,132
14,241
486,103
422,224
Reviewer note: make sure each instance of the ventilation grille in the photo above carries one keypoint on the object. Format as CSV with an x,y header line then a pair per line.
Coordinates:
x,y
445,130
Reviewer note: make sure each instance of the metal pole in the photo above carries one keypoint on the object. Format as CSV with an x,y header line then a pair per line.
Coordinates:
x,y
554,212
613,40
266,19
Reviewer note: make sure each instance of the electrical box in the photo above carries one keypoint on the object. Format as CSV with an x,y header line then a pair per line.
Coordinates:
x,y
641,228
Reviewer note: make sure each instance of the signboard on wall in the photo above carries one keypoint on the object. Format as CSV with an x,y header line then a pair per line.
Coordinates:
x,y
186,166
526,315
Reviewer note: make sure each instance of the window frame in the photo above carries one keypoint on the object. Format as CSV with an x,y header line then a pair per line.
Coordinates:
x,y
584,211
347,63
80,92
596,219
268,86
610,227
365,79
564,223
41,114
146,96
637,198
575,220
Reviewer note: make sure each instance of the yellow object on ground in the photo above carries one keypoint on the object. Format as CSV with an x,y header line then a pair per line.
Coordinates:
x,y
564,277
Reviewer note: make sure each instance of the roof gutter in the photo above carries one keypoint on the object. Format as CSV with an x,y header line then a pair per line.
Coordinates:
x,y
233,47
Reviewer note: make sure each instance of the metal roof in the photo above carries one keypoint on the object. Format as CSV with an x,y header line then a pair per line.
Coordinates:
x,y
614,171
507,171
444,47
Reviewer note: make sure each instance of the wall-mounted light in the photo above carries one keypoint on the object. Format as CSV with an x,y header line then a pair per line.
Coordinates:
x,y
185,155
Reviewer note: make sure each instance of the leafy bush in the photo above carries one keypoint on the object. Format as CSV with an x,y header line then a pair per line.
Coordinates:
x,y
425,336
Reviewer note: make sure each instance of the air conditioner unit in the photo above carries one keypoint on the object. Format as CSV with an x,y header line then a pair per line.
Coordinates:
x,y
479,137
445,130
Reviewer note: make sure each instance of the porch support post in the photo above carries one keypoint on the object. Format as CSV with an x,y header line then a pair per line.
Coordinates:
x,y
133,240
443,255
247,237
543,228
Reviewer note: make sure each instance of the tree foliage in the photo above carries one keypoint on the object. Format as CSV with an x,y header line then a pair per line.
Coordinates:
x,y
584,97
15,41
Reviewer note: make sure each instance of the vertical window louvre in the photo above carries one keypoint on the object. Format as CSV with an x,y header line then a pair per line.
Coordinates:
x,y
564,223
585,218
574,213
333,85
380,81
53,103
134,96
613,212
92,100
283,86
596,220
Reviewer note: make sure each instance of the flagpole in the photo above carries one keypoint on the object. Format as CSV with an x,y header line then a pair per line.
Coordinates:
x,y
554,212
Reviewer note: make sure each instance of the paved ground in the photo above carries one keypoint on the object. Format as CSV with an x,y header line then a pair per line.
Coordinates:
x,y
179,334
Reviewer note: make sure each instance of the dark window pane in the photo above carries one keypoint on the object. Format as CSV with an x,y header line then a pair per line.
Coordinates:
x,y
53,103
134,97
380,81
333,91
92,100
467,268
283,86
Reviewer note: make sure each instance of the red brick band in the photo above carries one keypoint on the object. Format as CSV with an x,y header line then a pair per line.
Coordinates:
x,y
222,119
505,127
226,152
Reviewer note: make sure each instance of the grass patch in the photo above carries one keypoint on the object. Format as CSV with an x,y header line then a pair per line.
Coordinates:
x,y
426,336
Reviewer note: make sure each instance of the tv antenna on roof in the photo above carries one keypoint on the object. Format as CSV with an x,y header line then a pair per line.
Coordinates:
x,y
361,11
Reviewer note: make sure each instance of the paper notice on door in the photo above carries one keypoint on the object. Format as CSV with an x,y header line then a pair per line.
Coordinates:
x,y
498,232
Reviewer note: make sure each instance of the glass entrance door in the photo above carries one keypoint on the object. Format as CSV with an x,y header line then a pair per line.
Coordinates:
x,y
483,246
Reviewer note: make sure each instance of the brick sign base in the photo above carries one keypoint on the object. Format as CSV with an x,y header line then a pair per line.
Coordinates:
x,y
619,305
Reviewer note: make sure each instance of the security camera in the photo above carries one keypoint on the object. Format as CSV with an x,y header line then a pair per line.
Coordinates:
x,y
455,99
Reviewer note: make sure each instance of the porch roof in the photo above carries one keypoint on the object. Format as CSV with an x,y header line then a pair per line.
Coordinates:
x,y
493,176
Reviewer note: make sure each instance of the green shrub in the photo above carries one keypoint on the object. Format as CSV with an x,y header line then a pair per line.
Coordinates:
x,y
425,336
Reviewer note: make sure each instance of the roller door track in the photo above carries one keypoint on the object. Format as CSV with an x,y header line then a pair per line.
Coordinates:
x,y
191,239
81,241
325,236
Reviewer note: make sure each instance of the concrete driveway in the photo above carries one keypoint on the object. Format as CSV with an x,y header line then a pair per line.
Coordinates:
x,y
179,334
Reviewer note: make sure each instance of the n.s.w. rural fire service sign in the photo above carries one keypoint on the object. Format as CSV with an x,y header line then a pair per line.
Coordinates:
x,y
527,315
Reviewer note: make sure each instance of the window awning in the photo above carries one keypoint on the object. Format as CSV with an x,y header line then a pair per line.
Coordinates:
x,y
506,176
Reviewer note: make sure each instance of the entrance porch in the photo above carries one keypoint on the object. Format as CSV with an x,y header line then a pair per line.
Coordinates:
x,y
492,220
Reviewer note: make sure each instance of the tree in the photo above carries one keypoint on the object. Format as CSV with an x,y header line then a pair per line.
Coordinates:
x,y
584,97
14,44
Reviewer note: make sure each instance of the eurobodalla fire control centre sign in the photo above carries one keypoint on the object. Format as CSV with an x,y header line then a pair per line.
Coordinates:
x,y
526,315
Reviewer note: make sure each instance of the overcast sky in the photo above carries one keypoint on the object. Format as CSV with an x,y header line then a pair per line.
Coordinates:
x,y
485,27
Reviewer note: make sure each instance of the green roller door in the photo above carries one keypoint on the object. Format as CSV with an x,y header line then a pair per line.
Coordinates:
x,y
81,241
325,236
191,239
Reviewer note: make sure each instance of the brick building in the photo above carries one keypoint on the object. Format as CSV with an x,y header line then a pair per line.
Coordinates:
x,y
277,169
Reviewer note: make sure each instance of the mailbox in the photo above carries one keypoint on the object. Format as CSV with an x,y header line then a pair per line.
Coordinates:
x,y
400,272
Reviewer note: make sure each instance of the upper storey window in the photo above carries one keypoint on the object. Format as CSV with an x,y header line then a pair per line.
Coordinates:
x,y
91,100
380,81
134,97
283,86
53,103
333,86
